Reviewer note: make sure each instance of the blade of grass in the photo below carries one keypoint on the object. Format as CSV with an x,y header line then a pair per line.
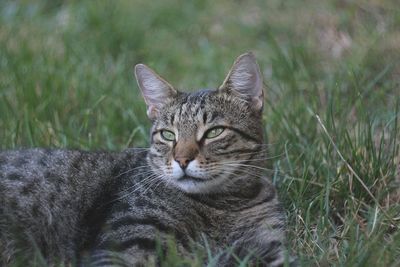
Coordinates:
x,y
353,172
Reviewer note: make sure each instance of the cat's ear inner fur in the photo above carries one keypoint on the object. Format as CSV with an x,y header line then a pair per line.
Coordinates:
x,y
155,90
245,80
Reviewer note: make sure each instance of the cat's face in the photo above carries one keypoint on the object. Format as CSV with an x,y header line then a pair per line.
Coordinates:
x,y
204,141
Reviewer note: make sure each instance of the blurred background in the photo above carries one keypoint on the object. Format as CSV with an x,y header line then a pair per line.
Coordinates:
x,y
66,80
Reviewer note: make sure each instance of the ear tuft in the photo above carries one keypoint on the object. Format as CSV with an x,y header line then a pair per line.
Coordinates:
x,y
245,80
155,90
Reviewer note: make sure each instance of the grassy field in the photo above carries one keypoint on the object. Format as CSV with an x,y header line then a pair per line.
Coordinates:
x,y
332,75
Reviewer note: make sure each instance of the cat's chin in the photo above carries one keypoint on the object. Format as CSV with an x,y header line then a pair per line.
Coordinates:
x,y
191,178
194,185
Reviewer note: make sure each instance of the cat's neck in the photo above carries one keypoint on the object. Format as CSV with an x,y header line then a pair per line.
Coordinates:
x,y
242,197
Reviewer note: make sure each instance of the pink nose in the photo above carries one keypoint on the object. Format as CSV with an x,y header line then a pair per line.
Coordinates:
x,y
183,162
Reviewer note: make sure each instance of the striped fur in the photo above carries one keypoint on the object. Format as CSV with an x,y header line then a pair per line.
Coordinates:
x,y
200,184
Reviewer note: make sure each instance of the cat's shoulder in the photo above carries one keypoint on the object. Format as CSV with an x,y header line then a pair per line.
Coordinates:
x,y
47,157
44,156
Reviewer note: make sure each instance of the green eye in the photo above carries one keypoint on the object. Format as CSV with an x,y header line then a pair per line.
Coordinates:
x,y
168,135
214,132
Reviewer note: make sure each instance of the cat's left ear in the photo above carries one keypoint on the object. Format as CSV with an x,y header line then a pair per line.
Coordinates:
x,y
245,80
155,90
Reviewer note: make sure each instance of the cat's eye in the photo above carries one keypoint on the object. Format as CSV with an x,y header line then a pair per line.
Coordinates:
x,y
168,135
214,132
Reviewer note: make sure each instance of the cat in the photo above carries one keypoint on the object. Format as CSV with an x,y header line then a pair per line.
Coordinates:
x,y
200,184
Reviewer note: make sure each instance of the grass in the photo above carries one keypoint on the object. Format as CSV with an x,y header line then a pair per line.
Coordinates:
x,y
66,81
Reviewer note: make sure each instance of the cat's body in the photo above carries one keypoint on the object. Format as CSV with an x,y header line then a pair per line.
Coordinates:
x,y
200,182
45,196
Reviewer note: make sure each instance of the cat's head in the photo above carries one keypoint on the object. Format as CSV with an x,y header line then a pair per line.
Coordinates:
x,y
206,141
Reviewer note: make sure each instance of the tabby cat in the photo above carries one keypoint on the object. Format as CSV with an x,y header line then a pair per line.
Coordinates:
x,y
200,184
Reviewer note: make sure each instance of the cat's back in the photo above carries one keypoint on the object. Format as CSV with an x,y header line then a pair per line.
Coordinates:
x,y
45,195
37,171
23,165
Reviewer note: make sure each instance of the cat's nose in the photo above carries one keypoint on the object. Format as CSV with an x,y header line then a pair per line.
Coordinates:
x,y
183,161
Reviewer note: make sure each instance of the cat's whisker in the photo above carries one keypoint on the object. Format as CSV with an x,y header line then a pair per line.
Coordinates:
x,y
237,171
259,153
140,181
138,187
259,167
158,184
269,144
256,173
236,174
221,170
132,176
242,165
147,177
246,165
152,185
131,170
262,151
246,160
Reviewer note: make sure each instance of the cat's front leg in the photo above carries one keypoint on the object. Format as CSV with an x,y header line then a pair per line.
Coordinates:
x,y
264,246
257,252
258,234
130,258
268,252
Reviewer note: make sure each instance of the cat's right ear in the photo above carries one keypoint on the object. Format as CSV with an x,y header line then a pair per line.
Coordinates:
x,y
155,90
245,80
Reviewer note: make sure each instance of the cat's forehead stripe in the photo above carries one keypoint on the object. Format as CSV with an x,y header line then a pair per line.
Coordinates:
x,y
191,113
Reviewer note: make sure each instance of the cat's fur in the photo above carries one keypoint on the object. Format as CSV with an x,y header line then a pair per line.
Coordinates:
x,y
195,184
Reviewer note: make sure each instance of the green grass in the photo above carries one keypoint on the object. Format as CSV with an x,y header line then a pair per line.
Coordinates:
x,y
66,81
